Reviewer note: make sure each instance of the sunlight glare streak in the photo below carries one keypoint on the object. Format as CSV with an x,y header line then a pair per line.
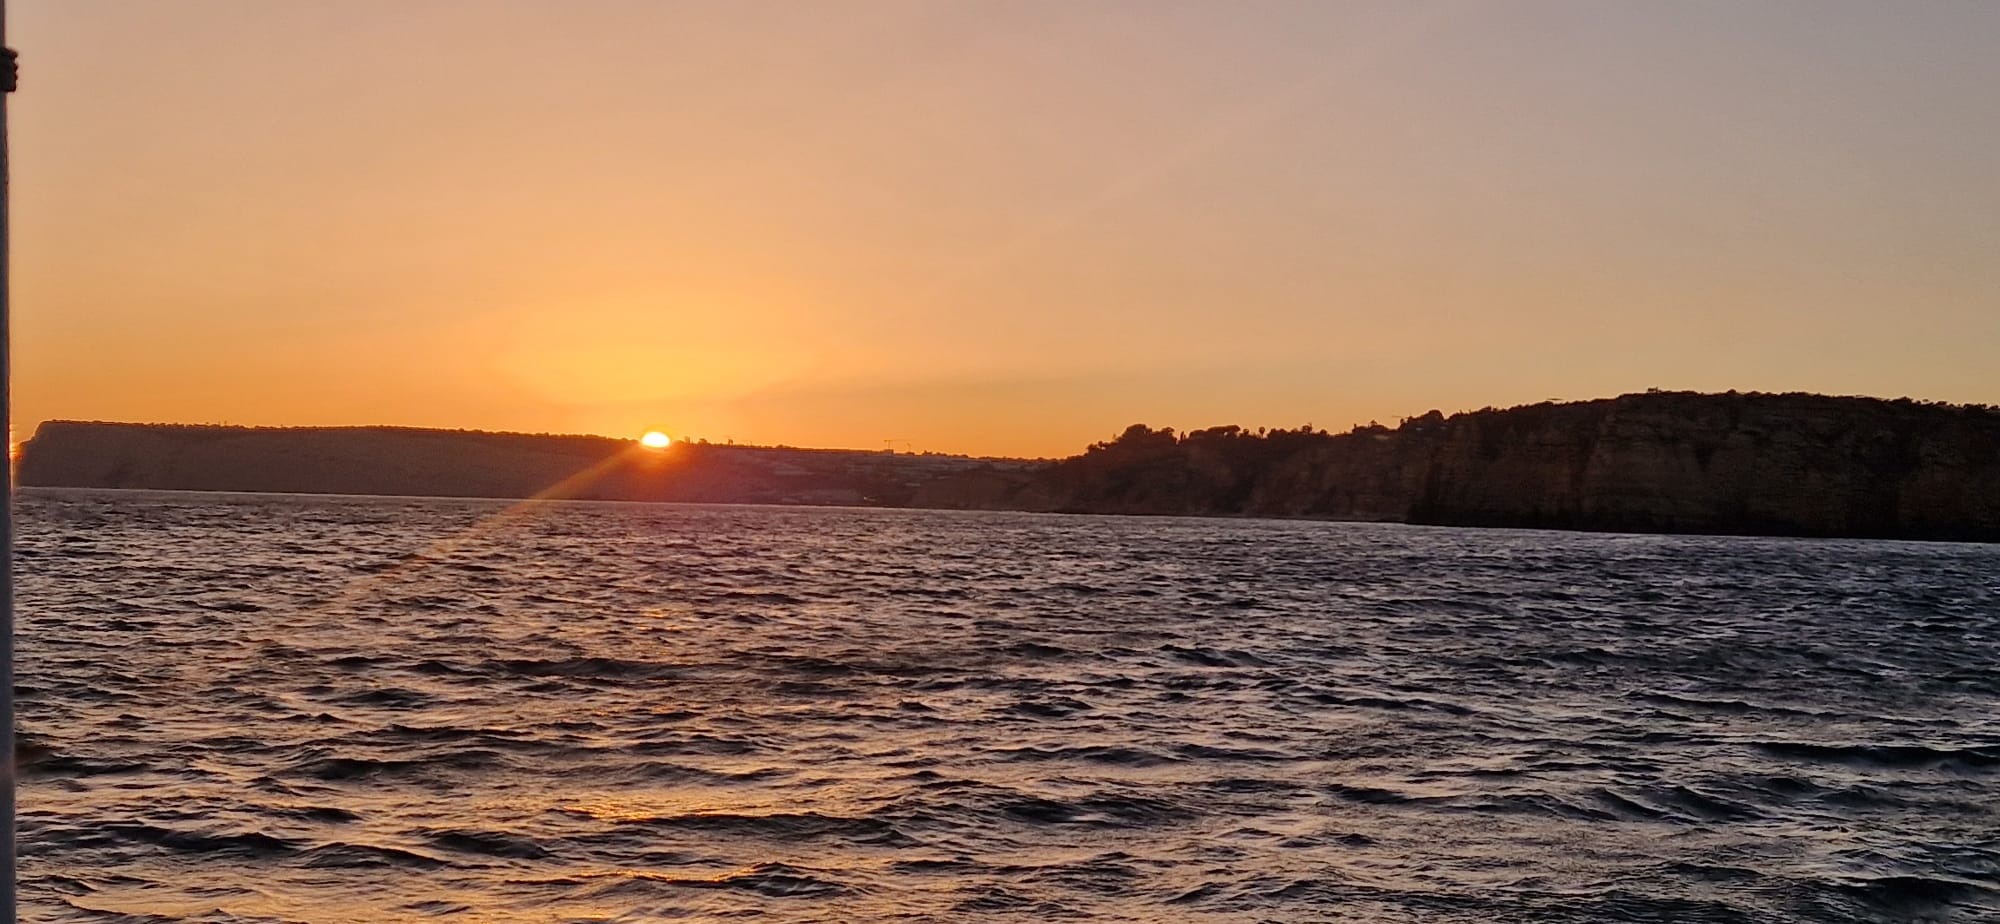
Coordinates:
x,y
443,548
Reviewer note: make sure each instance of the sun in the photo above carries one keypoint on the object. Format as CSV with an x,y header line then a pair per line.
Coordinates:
x,y
654,439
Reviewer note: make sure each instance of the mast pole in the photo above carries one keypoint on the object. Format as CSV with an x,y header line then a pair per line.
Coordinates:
x,y
8,868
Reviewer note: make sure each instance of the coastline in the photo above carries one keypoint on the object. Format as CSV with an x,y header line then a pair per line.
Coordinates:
x,y
1655,463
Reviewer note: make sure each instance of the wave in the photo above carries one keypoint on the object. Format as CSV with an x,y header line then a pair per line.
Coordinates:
x,y
1920,897
366,856
487,843
334,769
587,668
1897,756
1097,754
778,825
767,880
246,844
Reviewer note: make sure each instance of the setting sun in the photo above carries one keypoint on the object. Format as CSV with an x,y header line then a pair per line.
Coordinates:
x,y
656,440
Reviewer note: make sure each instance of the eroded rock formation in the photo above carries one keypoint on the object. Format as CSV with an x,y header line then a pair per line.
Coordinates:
x,y
1657,462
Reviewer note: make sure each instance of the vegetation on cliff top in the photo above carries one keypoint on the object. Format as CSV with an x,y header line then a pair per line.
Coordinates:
x,y
1658,461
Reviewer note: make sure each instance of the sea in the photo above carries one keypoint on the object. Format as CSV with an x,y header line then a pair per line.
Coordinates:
x,y
275,708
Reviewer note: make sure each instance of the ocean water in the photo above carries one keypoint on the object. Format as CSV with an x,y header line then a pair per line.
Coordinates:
x,y
273,708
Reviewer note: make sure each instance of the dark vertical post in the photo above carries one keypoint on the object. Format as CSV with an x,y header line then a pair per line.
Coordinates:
x,y
8,871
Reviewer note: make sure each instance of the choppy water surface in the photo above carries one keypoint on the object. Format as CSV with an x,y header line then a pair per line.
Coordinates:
x,y
248,708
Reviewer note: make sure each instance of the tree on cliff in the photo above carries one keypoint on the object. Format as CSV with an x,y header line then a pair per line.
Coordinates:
x,y
1138,439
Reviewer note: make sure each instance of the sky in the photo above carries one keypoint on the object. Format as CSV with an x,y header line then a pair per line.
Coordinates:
x,y
1007,228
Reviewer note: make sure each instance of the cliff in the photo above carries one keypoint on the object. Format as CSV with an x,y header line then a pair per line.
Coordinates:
x,y
1777,464
1804,465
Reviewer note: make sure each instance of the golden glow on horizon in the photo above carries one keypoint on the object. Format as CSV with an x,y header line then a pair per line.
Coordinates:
x,y
1004,228
656,440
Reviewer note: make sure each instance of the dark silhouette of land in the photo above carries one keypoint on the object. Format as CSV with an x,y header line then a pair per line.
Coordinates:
x,y
1788,464
469,463
1791,464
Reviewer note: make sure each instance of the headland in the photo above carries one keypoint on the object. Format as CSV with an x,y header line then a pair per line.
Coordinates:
x,y
1674,462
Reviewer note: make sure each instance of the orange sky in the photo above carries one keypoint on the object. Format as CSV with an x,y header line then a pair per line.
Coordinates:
x,y
1003,227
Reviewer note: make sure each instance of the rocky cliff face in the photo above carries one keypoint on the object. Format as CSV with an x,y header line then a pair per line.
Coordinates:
x,y
1658,462
1359,476
1784,464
